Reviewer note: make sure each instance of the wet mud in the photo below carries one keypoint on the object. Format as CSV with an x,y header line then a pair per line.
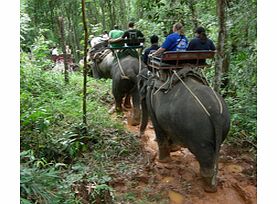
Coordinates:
x,y
179,182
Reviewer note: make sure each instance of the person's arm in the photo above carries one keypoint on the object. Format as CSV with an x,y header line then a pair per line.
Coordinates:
x,y
119,39
140,34
115,40
158,51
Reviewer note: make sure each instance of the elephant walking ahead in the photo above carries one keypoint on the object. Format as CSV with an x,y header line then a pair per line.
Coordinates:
x,y
123,71
188,113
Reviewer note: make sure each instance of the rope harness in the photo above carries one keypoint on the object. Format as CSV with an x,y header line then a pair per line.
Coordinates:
x,y
123,75
169,81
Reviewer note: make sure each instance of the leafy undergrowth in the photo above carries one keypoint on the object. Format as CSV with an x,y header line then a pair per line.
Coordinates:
x,y
62,160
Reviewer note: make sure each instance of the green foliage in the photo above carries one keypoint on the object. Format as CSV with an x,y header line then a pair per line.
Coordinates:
x,y
60,157
54,139
242,98
36,183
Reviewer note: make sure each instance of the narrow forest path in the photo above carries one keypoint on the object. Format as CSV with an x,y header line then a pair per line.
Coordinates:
x,y
178,182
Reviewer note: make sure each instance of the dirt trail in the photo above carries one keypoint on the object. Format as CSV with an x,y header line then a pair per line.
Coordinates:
x,y
178,182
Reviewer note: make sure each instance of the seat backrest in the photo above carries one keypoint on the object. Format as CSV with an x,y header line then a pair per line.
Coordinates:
x,y
188,55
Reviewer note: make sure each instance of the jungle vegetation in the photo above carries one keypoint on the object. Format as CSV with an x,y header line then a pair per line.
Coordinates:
x,y
57,151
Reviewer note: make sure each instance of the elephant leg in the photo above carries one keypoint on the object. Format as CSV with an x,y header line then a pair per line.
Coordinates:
x,y
208,167
94,71
164,148
118,104
209,178
144,117
127,101
135,116
118,96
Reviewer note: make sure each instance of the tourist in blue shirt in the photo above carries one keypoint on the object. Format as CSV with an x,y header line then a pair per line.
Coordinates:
x,y
176,41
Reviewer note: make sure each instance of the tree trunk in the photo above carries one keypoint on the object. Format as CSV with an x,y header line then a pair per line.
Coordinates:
x,y
110,13
123,14
222,62
61,23
102,6
191,5
85,64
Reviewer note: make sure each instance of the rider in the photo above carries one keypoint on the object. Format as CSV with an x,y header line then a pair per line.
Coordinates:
x,y
131,33
154,46
200,42
176,41
114,34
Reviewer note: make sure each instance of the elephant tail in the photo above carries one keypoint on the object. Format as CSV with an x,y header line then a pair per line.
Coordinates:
x,y
217,122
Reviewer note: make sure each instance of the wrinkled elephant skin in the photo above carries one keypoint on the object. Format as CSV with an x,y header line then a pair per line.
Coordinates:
x,y
178,119
124,81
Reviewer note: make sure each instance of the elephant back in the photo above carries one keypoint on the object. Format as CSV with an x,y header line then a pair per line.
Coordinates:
x,y
172,78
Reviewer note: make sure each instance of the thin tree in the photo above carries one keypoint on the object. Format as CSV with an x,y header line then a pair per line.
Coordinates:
x,y
66,78
221,63
85,64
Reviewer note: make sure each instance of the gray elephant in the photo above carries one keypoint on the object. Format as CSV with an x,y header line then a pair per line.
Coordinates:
x,y
123,71
185,112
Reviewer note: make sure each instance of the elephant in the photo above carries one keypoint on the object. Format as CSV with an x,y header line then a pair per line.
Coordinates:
x,y
123,73
185,112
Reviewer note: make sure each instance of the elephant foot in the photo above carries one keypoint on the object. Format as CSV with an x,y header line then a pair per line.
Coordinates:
x,y
115,109
165,160
141,134
125,108
112,110
209,180
135,118
175,148
134,122
127,105
208,187
164,155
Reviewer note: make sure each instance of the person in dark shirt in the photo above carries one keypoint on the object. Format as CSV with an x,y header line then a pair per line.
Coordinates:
x,y
154,39
131,33
201,41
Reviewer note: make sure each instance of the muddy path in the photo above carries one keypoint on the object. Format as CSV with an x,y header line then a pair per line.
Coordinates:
x,y
178,182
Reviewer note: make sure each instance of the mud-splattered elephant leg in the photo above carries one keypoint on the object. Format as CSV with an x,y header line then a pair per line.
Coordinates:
x,y
208,167
164,148
127,101
136,112
118,96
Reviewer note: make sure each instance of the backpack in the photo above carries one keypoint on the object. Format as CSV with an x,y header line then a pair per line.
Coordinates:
x,y
133,34
182,44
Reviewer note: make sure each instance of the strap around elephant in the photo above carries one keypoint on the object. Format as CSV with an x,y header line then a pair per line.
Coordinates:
x,y
120,67
196,98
